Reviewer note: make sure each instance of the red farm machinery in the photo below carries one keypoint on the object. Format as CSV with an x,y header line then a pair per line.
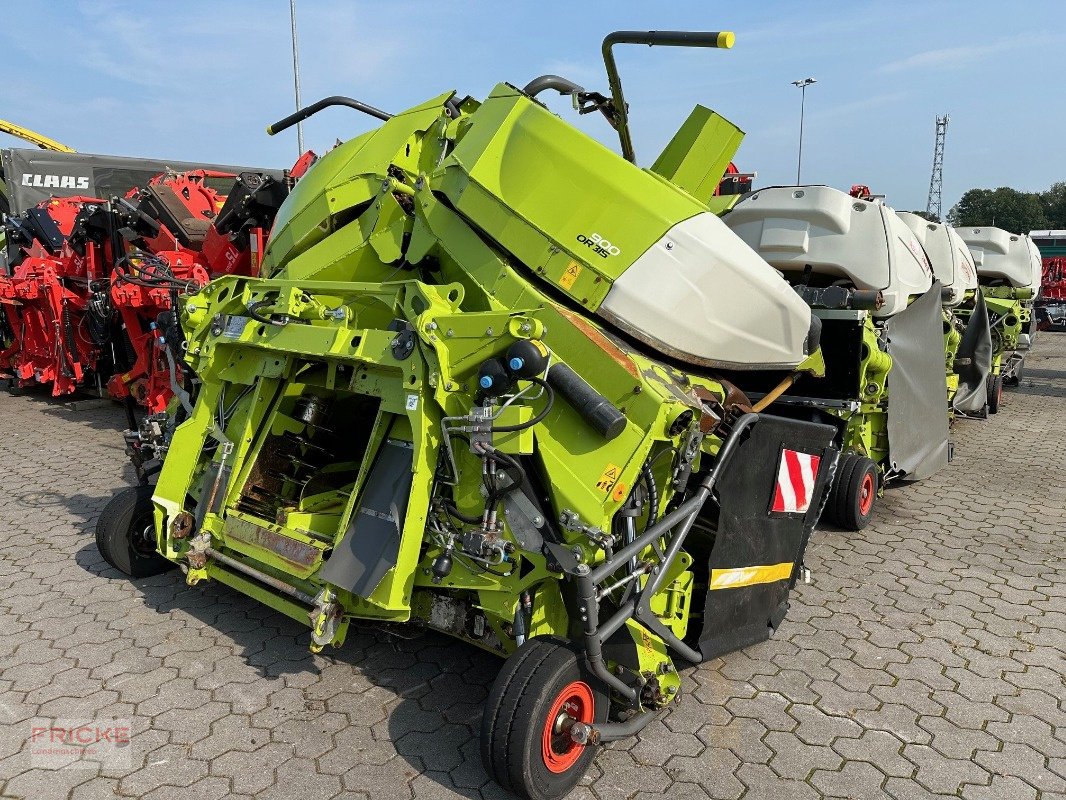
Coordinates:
x,y
51,334
89,285
1051,301
179,232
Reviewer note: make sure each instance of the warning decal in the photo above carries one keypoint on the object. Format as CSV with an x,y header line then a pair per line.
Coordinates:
x,y
609,477
570,274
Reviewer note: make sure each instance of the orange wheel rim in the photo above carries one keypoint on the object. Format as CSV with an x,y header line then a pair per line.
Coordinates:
x,y
558,750
866,494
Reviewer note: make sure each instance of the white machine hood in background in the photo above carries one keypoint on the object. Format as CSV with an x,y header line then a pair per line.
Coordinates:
x,y
861,242
1002,255
950,258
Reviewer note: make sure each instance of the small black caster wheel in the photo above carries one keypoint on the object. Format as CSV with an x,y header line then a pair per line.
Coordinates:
x,y
995,393
851,501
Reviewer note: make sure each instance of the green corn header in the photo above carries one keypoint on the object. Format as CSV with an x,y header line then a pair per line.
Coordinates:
x,y
478,388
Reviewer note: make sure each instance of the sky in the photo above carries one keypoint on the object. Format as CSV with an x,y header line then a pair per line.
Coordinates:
x,y
199,80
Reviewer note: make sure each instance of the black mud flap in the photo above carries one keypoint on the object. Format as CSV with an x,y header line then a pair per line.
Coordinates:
x,y
917,389
371,544
770,498
973,362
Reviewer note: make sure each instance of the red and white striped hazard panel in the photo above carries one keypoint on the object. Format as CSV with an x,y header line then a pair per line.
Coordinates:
x,y
795,482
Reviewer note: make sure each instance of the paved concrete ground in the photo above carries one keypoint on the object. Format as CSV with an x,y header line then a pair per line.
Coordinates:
x,y
926,659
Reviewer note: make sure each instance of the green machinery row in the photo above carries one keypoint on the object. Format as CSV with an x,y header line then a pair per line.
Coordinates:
x,y
497,380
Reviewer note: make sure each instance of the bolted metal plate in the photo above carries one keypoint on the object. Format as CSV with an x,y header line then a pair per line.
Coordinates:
x,y
299,555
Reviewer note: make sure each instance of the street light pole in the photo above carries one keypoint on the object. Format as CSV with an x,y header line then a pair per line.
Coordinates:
x,y
802,84
296,75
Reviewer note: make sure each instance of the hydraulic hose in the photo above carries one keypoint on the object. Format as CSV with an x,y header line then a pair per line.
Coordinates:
x,y
452,510
253,312
653,493
521,426
512,462
161,276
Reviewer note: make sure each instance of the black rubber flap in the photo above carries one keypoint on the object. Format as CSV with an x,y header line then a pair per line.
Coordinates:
x,y
762,534
917,388
372,542
974,362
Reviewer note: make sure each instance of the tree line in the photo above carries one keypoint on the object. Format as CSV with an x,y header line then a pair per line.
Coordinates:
x,y
1012,210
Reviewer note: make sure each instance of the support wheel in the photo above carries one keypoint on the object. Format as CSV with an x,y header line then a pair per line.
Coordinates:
x,y
855,486
125,534
1016,375
525,745
995,393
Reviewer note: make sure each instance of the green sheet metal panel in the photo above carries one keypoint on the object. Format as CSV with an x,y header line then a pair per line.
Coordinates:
x,y
557,199
699,153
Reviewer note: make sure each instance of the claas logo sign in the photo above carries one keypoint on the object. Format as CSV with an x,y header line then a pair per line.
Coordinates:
x,y
55,181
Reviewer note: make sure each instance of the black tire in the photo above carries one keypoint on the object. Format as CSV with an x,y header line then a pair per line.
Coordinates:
x,y
518,748
125,534
995,393
855,486
845,464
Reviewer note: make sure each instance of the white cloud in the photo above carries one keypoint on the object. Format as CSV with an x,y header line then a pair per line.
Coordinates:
x,y
965,55
851,109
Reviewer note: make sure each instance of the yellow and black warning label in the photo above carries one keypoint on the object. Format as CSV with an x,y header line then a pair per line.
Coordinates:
x,y
609,477
570,274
